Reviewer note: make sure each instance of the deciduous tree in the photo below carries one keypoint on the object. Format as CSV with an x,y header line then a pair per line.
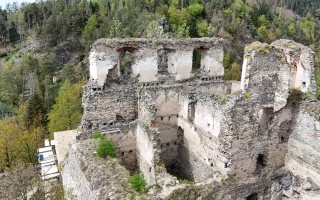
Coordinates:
x,y
66,113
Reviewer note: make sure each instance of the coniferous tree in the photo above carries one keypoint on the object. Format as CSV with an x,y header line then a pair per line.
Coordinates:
x,y
36,113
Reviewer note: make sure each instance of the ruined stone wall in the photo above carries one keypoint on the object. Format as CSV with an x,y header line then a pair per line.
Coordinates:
x,y
105,55
74,180
260,123
167,109
303,158
147,137
291,62
126,141
254,143
107,109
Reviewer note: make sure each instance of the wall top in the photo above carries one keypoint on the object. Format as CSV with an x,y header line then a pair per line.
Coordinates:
x,y
154,43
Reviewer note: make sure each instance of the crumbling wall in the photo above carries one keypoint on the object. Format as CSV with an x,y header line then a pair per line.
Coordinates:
x,y
167,109
145,65
87,176
192,155
147,137
211,62
74,180
105,56
107,109
303,156
193,120
291,63
125,139
101,61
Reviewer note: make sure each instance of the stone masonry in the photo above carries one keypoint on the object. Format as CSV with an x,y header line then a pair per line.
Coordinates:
x,y
173,117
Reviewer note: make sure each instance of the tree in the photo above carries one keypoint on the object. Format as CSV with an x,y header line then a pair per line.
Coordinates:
x,y
203,28
90,32
116,28
17,183
234,73
13,33
152,29
36,113
9,142
263,34
195,10
28,143
66,113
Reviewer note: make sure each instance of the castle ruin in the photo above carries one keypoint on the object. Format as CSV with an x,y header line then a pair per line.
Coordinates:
x,y
173,116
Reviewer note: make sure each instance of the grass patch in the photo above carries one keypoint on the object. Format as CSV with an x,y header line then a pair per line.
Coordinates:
x,y
97,135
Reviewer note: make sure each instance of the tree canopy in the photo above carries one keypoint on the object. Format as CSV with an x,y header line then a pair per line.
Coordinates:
x,y
66,113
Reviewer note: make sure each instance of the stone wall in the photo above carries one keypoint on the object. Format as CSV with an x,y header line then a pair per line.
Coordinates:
x,y
86,176
74,180
108,109
291,64
256,144
104,56
303,156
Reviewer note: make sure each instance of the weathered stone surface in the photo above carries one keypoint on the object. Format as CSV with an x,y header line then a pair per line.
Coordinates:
x,y
261,144
303,158
87,176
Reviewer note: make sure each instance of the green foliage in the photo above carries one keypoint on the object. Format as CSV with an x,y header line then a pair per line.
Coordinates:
x,y
106,147
116,28
233,73
16,144
203,28
263,21
9,151
36,113
97,135
66,113
183,31
152,29
5,110
90,32
263,34
195,10
138,183
178,20
239,8
307,26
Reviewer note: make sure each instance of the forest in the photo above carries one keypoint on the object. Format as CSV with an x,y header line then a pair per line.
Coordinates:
x,y
44,52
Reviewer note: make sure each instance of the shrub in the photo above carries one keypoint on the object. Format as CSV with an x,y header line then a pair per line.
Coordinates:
x,y
97,135
138,183
107,147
